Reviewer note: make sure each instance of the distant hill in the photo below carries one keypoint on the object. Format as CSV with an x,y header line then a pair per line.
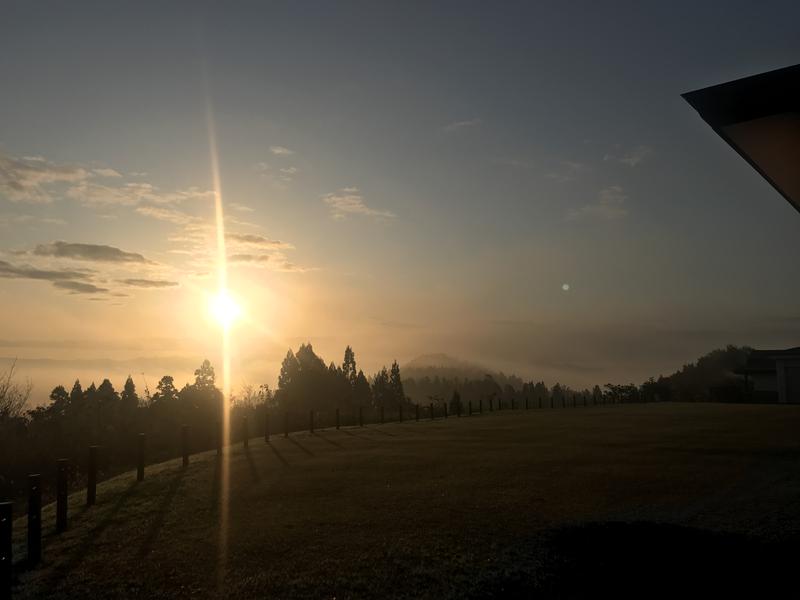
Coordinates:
x,y
444,366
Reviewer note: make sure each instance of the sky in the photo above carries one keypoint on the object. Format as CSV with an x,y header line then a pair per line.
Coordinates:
x,y
515,184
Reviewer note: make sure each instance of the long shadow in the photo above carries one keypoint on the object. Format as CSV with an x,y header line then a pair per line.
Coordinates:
x,y
299,445
253,470
277,454
330,441
59,571
161,512
359,436
215,483
373,428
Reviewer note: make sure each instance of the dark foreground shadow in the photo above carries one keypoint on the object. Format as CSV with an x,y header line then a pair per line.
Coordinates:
x,y
161,513
330,441
650,560
299,445
277,454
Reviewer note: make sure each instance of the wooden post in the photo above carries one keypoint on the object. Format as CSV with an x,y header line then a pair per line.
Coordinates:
x,y
563,401
458,408
61,494
480,406
431,411
401,413
245,433
540,402
445,410
91,477
337,418
311,421
417,408
551,400
140,457
513,403
360,416
574,401
266,425
185,444
34,519
526,403
381,414
491,404
6,549
469,408
286,424
584,400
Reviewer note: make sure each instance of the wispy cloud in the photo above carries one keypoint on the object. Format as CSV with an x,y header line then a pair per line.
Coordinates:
x,y
610,205
275,262
281,150
258,241
89,252
148,283
239,207
632,158
106,172
8,220
79,287
30,178
349,201
459,125
10,271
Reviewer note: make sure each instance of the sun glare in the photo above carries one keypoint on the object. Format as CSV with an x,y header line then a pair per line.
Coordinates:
x,y
224,308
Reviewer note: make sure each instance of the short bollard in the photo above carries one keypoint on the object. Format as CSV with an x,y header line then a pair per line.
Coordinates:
x,y
6,549
245,433
266,426
140,457
185,444
61,494
360,416
431,407
337,418
417,411
91,477
34,519
311,421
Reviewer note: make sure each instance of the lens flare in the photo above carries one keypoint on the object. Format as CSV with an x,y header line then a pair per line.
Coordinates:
x,y
224,308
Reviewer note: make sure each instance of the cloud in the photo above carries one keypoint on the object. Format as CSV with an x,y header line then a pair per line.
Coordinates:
x,y
281,150
610,205
169,215
251,239
239,207
279,176
149,283
30,178
9,271
349,201
89,252
633,158
459,125
106,172
274,262
78,287
90,193
7,220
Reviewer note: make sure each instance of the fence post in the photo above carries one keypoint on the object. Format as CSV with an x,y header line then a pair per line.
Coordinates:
x,y
563,401
513,403
416,406
245,433
540,402
360,416
445,410
266,425
91,477
551,400
286,424
6,549
574,401
337,418
480,406
431,411
469,408
584,400
185,444
34,519
311,421
140,457
61,494
458,408
491,404
526,403
381,414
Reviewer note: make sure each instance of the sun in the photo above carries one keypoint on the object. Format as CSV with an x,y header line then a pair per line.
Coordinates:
x,y
224,308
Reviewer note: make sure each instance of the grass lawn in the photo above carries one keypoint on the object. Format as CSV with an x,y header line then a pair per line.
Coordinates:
x,y
637,500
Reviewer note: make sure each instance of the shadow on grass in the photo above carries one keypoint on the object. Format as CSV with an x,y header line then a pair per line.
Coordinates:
x,y
161,514
253,470
330,441
277,454
299,445
379,430
651,560
62,570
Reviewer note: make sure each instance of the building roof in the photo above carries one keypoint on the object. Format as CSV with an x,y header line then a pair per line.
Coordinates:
x,y
759,117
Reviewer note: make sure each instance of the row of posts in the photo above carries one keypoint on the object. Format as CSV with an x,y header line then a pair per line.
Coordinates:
x,y
34,540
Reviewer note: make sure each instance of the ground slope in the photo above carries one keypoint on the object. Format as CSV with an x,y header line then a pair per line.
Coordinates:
x,y
639,500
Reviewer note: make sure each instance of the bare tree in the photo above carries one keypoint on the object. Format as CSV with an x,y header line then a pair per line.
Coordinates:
x,y
13,395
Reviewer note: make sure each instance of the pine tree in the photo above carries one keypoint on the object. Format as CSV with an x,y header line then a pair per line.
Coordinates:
x,y
396,384
129,397
349,365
